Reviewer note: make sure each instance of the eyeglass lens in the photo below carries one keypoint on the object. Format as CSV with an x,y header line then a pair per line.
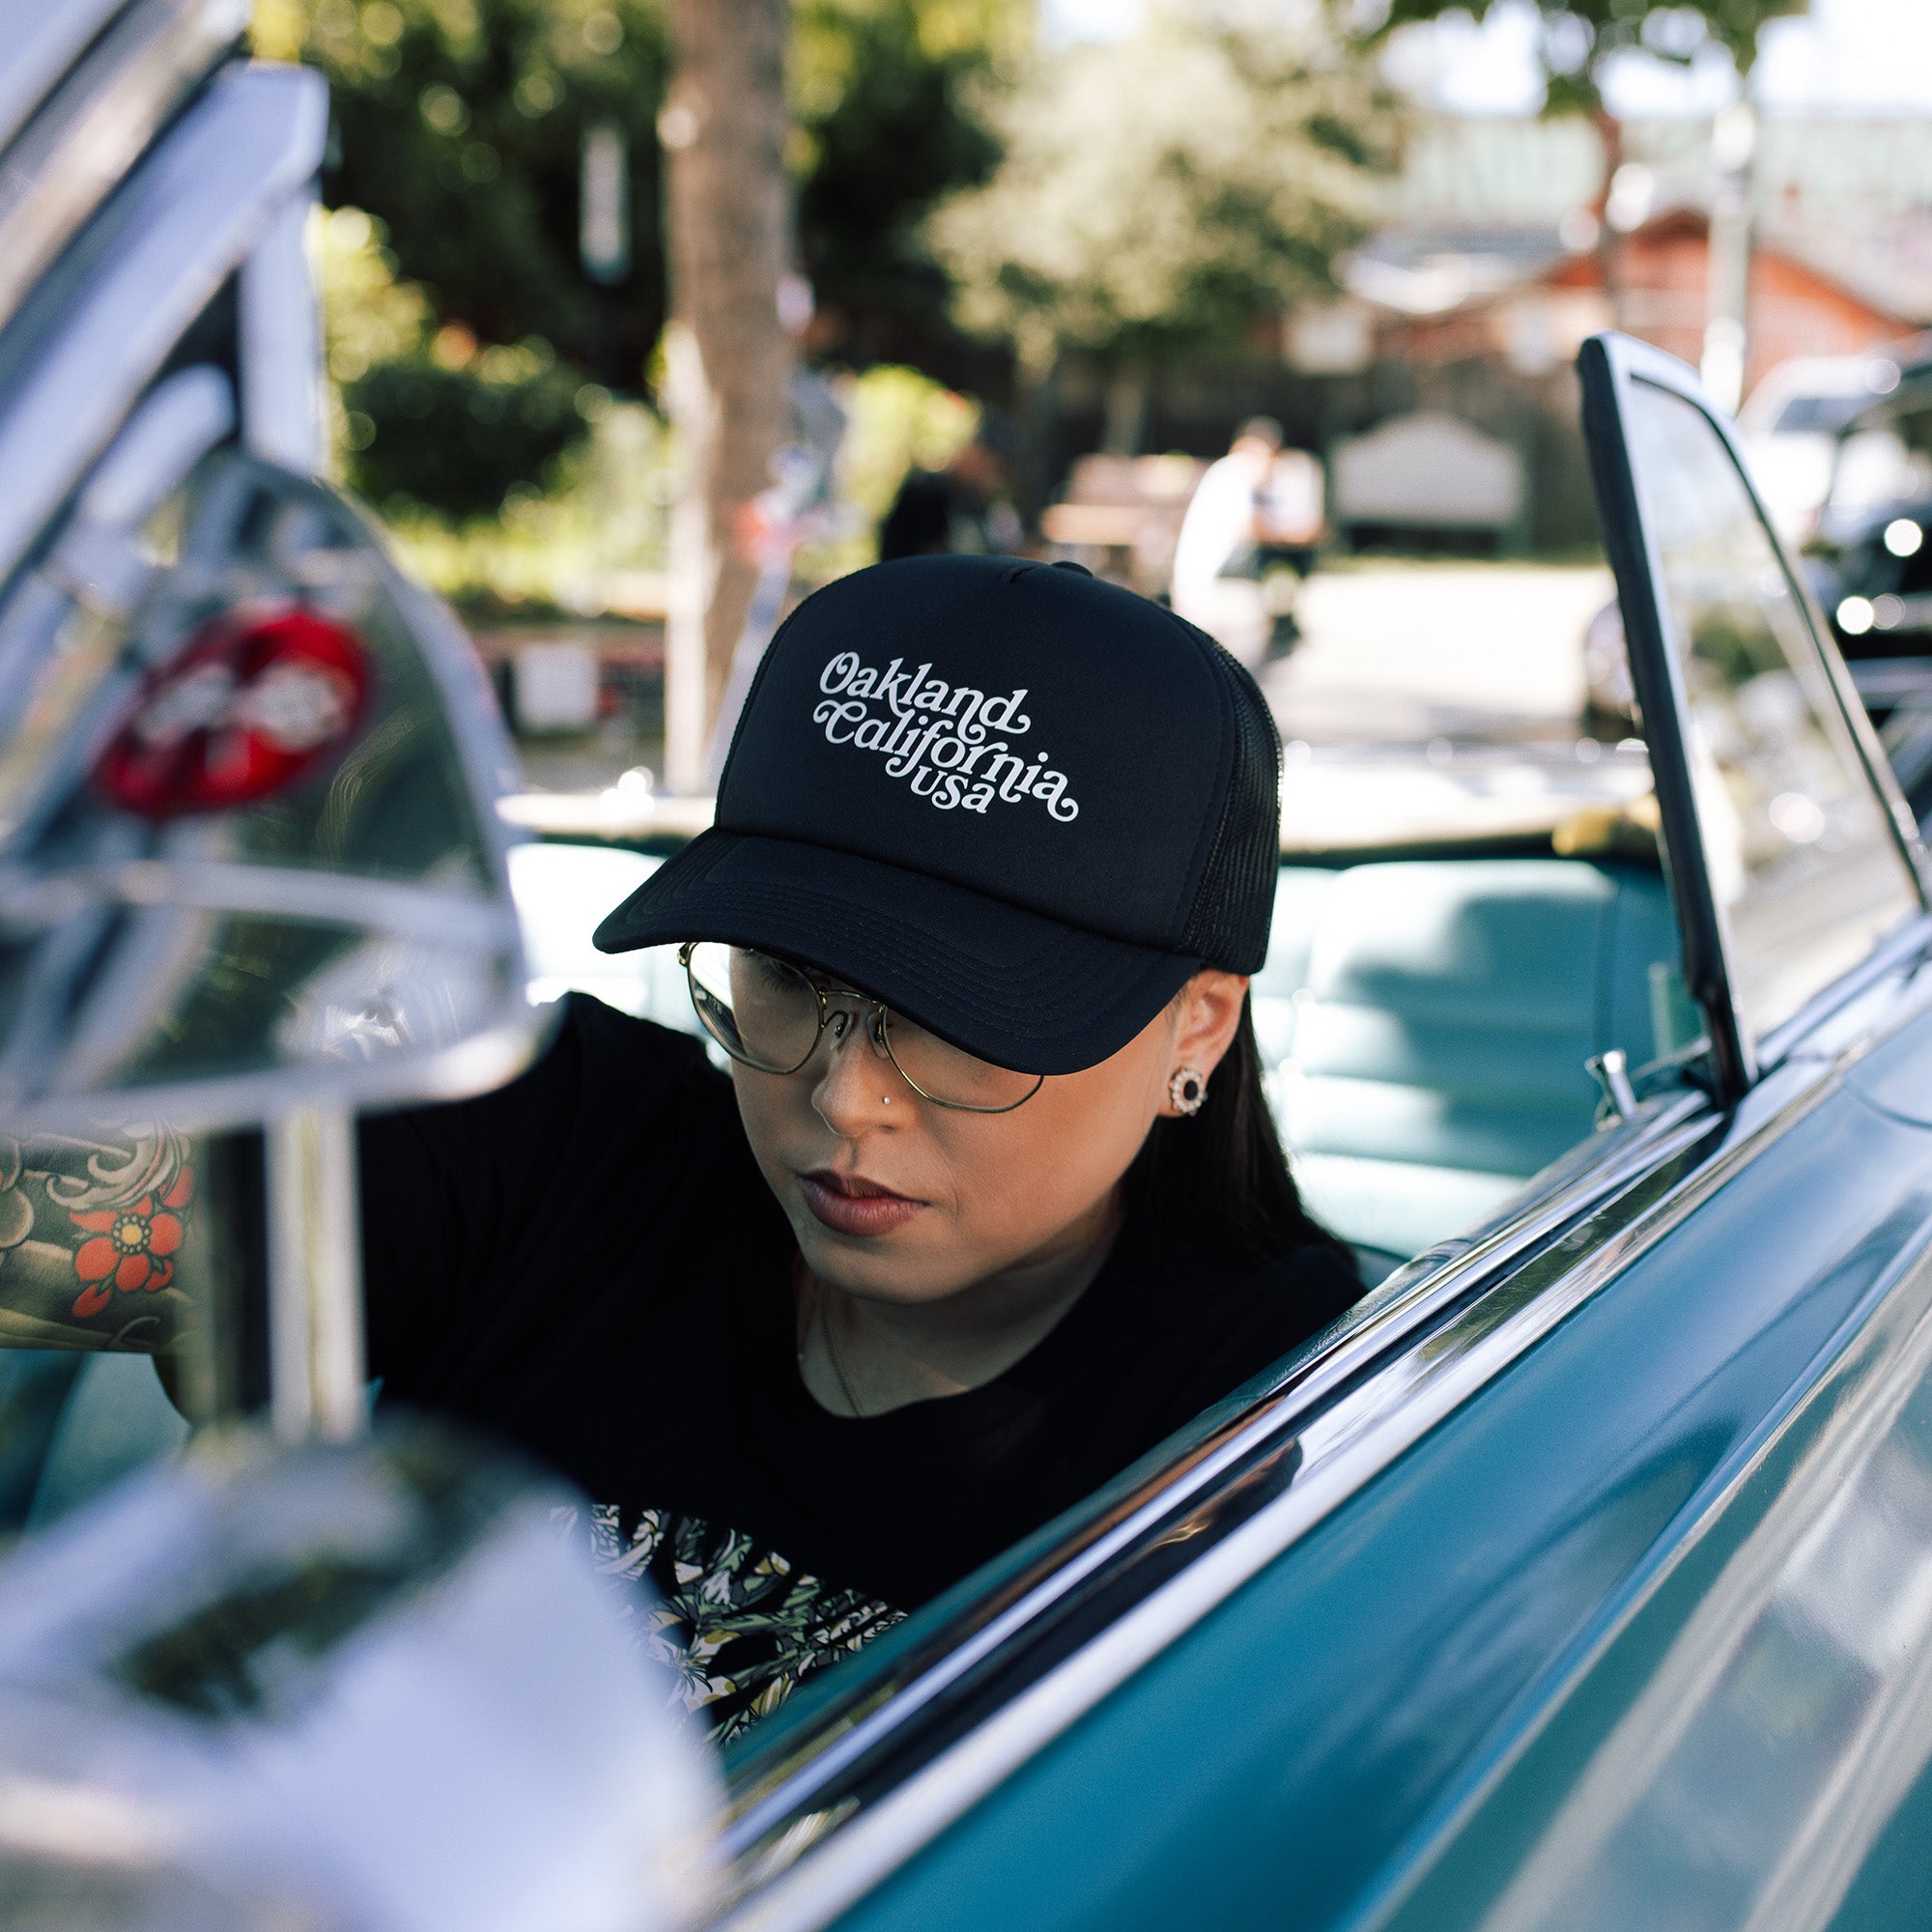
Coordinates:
x,y
765,1012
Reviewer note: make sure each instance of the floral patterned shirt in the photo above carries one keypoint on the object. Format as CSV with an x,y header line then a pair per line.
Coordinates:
x,y
736,1623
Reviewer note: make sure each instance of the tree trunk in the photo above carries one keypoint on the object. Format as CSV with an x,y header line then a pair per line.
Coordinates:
x,y
729,358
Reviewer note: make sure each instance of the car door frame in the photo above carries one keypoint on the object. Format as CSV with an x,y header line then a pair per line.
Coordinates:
x,y
825,1808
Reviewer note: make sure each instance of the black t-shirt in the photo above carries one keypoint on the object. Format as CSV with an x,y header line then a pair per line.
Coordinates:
x,y
590,1264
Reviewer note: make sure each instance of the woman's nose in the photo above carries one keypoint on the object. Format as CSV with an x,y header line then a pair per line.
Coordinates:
x,y
856,1079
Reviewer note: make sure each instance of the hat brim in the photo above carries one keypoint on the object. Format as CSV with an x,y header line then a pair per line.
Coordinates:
x,y
1013,988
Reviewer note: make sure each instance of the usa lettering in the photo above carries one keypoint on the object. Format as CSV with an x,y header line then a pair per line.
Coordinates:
x,y
952,745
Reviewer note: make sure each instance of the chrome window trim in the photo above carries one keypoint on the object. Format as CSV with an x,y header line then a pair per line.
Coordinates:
x,y
81,143
1608,365
186,219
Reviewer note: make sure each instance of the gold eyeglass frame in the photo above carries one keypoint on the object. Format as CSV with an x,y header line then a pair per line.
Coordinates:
x,y
880,1027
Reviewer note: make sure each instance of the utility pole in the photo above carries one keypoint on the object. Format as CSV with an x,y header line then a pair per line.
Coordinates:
x,y
1727,288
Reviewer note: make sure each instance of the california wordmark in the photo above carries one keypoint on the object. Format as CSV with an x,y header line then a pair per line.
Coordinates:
x,y
938,736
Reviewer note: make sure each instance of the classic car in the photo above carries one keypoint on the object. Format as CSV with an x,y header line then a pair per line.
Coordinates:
x,y
1577,1576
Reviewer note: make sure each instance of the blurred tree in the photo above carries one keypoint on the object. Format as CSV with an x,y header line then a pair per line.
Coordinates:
x,y
885,97
460,125
1160,194
1578,36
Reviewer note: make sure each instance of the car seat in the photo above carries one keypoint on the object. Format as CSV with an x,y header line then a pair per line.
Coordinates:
x,y
1428,1024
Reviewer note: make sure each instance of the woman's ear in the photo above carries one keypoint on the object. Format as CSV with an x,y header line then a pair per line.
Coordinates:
x,y
1209,1016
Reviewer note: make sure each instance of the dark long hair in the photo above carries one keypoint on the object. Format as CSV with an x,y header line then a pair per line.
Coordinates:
x,y
1218,1180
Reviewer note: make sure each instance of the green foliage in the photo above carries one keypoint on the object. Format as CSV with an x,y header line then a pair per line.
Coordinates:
x,y
460,125
426,419
460,439
883,97
1580,35
1160,193
594,538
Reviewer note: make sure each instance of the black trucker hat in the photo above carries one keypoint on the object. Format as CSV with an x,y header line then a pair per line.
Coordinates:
x,y
1017,805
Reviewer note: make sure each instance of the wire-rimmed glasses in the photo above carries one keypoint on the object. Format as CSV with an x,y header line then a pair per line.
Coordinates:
x,y
769,1015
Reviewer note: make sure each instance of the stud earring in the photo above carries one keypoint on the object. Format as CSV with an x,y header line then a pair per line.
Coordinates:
x,y
1187,1088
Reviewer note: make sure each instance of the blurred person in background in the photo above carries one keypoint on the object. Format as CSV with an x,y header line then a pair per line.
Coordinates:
x,y
1217,562
964,509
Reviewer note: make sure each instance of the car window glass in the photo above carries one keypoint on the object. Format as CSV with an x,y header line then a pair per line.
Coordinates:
x,y
1801,856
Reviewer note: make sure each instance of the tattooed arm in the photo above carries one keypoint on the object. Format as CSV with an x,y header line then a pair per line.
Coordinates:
x,y
99,1244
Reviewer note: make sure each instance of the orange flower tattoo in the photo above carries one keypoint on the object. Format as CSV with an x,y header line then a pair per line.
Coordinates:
x,y
129,1247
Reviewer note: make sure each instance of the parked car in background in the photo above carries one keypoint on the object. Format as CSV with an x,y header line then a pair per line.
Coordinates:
x,y
1789,426
1868,553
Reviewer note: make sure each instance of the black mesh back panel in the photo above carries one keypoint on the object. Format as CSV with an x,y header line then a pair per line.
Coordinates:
x,y
1228,926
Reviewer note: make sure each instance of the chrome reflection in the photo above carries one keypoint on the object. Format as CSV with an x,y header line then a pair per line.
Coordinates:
x,y
1794,1711
80,143
203,916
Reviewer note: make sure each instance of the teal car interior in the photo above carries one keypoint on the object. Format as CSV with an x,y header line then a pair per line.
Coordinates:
x,y
1430,1024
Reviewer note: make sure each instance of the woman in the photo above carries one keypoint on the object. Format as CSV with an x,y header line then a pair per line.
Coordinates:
x,y
989,1203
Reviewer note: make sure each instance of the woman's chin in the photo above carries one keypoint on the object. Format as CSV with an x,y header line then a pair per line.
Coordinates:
x,y
877,1267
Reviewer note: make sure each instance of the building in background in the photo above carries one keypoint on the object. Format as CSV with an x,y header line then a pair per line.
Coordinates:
x,y
1470,302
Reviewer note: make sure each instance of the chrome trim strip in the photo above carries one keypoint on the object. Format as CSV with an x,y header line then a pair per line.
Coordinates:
x,y
192,210
92,131
1902,950
437,917
1372,1420
281,346
43,42
406,1079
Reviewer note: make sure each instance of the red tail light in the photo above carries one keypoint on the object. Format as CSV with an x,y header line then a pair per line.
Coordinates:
x,y
256,703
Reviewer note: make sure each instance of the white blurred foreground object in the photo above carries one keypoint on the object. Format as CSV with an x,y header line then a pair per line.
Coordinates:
x,y
371,1689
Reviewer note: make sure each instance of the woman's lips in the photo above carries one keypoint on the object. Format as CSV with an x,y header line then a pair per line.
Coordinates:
x,y
849,1206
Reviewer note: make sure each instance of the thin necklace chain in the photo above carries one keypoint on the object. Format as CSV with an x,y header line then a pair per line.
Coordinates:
x,y
830,1350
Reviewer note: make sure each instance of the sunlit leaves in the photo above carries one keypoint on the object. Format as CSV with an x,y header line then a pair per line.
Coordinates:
x,y
1164,191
